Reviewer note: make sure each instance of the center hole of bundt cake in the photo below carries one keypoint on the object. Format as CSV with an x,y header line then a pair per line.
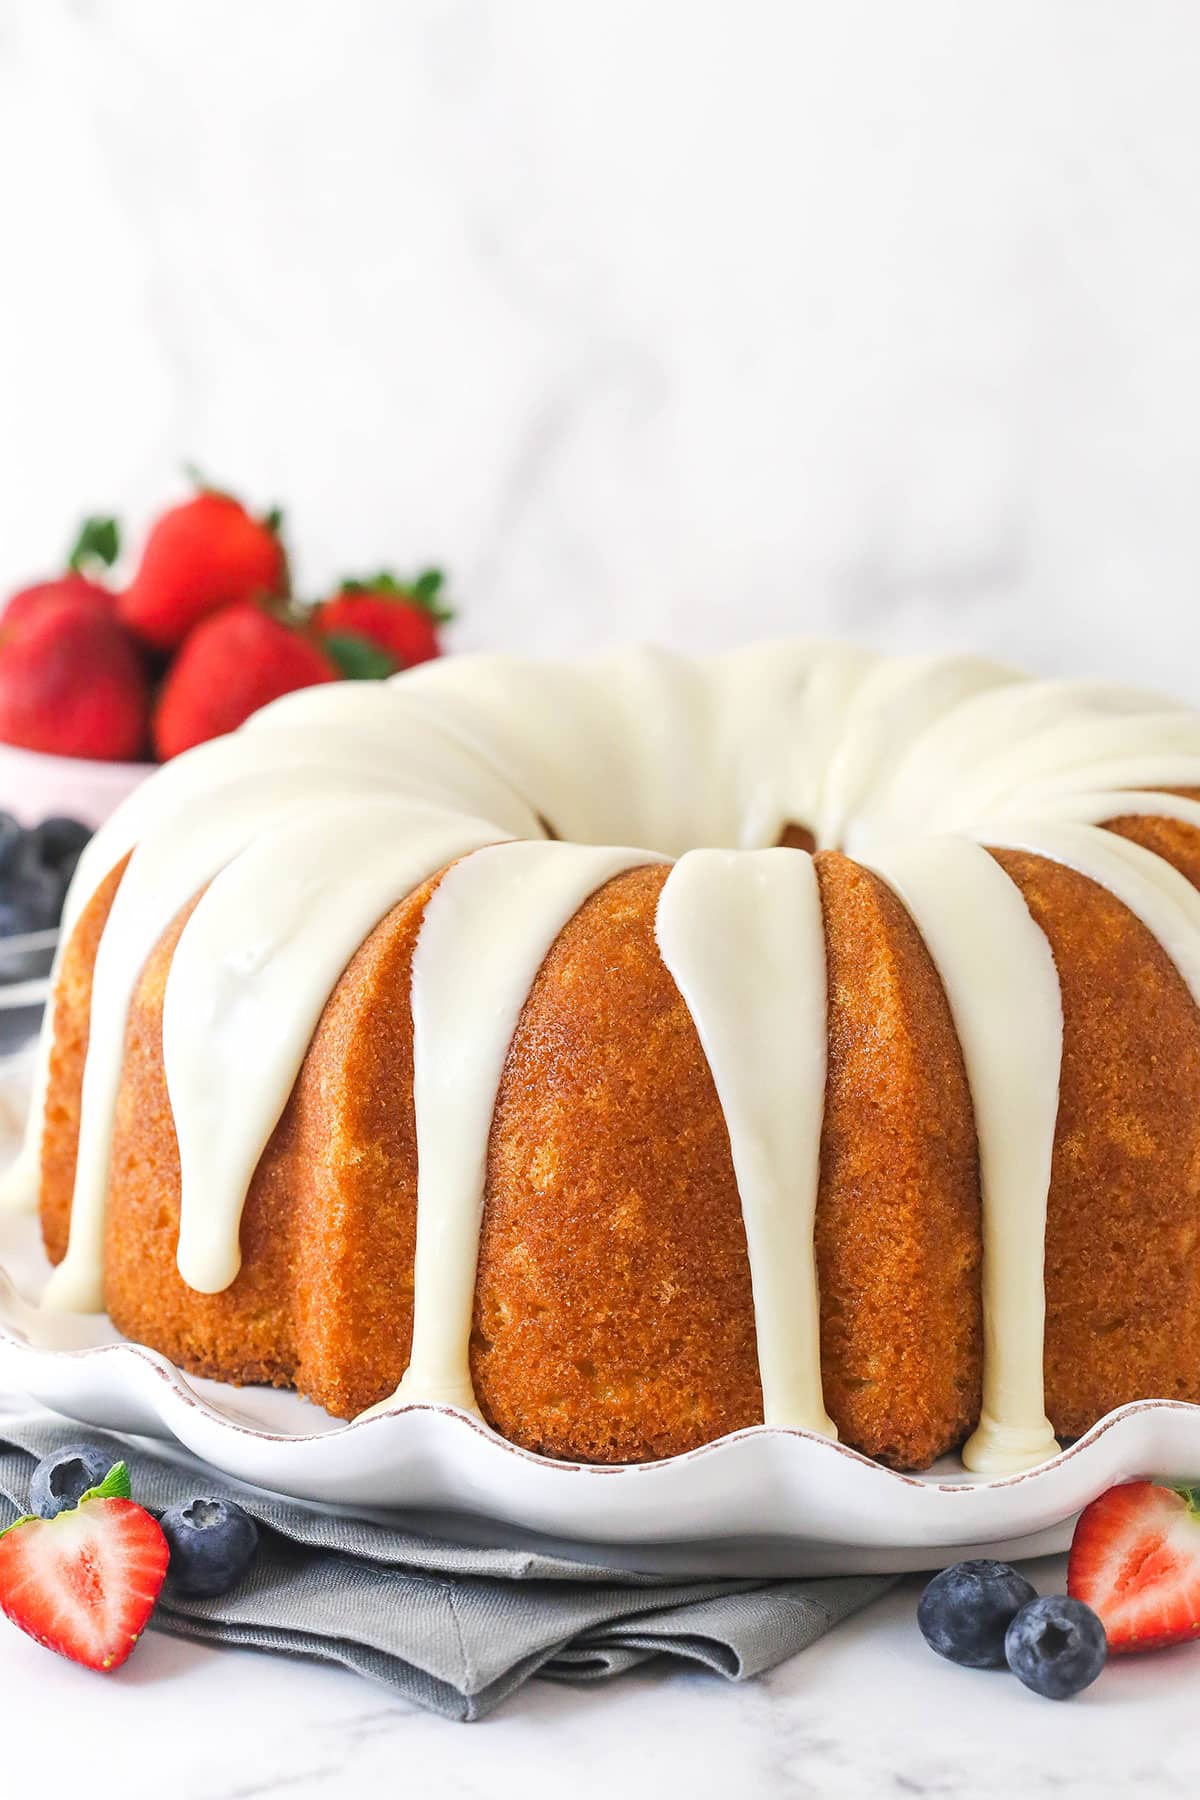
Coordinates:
x,y
792,837
798,837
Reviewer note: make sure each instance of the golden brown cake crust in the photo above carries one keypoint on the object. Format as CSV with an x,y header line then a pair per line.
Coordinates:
x,y
898,1218
324,1297
614,1316
1123,1216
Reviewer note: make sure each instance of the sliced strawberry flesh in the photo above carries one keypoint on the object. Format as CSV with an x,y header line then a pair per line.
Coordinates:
x,y
85,1583
1135,1560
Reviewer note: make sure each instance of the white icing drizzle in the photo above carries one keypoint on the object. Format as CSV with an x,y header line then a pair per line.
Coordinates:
x,y
1002,989
888,760
1153,890
900,697
214,777
486,932
1102,808
166,870
760,1015
248,986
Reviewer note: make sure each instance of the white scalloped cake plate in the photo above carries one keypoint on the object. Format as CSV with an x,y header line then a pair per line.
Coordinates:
x,y
761,1501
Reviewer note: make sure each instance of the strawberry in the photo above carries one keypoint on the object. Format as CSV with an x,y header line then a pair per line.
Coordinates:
x,y
97,545
72,683
85,1583
1135,1560
232,664
28,601
200,556
397,621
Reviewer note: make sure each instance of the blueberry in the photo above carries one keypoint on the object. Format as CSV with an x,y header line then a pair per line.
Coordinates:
x,y
12,839
213,1543
17,915
64,1477
1056,1646
57,845
965,1611
36,893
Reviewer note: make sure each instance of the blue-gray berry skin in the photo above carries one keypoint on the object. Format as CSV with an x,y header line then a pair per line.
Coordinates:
x,y
965,1611
1056,1646
12,837
64,1477
212,1543
57,844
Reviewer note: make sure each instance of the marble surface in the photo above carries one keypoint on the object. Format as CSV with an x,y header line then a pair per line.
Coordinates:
x,y
687,319
867,1712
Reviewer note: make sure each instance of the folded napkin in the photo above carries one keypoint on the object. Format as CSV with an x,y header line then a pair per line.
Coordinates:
x,y
454,1627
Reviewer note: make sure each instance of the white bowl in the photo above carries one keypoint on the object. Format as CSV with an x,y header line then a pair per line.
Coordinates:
x,y
34,787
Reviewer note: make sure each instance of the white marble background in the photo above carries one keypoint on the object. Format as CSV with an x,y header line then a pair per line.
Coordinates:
x,y
667,318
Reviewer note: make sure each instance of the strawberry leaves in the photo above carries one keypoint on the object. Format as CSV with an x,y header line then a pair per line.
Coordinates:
x,y
98,543
356,658
424,592
115,1485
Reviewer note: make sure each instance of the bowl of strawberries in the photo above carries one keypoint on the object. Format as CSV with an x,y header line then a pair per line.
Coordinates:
x,y
101,680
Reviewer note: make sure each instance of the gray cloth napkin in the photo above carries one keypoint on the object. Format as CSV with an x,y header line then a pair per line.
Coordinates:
x,y
454,1627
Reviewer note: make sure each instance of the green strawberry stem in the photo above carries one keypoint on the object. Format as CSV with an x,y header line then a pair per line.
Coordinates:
x,y
99,541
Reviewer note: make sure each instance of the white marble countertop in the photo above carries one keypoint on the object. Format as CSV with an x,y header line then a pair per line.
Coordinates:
x,y
868,1711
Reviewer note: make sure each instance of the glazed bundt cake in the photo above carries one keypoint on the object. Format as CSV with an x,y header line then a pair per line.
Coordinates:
x,y
858,1092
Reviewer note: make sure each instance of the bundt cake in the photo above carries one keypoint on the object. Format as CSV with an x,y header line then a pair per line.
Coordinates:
x,y
858,1092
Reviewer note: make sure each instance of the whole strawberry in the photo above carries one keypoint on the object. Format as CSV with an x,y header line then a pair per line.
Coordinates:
x,y
85,1582
379,625
232,663
72,683
200,556
95,549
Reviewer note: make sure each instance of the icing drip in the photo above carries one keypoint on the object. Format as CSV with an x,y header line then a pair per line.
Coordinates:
x,y
220,776
1002,989
486,932
1164,900
761,1021
167,869
247,987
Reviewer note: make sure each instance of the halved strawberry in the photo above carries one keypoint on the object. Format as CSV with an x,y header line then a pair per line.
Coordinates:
x,y
1135,1560
85,1583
